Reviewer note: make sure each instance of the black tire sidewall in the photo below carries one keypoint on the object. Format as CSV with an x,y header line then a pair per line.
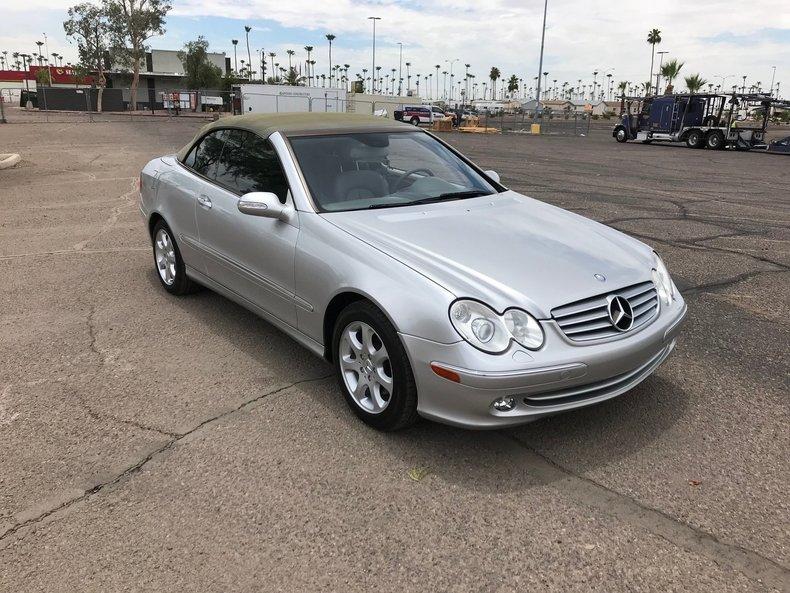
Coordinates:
x,y
694,134
401,410
720,140
415,121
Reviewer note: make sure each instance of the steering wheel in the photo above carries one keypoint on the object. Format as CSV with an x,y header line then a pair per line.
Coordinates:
x,y
405,176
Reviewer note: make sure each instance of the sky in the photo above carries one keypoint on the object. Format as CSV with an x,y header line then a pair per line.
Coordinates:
x,y
716,38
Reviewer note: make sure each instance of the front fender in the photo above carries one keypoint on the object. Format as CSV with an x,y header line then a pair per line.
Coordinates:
x,y
330,261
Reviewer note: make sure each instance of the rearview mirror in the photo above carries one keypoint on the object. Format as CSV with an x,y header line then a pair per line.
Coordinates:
x,y
492,175
262,203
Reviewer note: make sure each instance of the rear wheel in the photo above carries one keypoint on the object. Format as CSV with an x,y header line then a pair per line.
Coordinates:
x,y
715,140
694,139
373,369
415,121
169,266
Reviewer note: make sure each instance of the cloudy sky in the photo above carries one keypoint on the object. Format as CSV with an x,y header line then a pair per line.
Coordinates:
x,y
713,37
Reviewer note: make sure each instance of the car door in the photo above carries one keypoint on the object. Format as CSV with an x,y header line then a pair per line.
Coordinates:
x,y
178,191
251,255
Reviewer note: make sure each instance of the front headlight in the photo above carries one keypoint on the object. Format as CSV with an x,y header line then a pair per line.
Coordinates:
x,y
664,285
485,329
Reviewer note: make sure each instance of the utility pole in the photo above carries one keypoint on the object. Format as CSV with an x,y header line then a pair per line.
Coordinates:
x,y
660,63
540,66
374,19
773,75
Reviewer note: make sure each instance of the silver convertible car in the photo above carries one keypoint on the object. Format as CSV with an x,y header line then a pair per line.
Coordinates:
x,y
432,289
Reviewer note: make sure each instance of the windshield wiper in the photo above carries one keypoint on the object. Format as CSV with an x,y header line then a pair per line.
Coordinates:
x,y
454,195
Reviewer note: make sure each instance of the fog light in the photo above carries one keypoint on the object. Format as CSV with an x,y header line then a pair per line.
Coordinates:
x,y
504,404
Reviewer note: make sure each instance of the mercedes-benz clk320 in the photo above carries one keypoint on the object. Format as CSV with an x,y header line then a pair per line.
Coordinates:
x,y
431,288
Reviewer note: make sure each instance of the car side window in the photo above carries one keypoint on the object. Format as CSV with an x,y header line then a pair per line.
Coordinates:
x,y
249,163
204,156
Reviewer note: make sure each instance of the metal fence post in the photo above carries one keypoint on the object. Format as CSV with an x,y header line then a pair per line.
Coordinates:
x,y
2,109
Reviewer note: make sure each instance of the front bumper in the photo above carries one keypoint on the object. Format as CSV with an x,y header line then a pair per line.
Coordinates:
x,y
561,376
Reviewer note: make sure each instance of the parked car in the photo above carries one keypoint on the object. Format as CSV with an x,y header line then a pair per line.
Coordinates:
x,y
431,288
419,114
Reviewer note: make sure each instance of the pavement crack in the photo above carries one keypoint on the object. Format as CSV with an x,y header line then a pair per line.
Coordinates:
x,y
139,464
749,563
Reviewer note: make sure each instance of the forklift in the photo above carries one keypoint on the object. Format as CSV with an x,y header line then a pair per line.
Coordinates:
x,y
709,120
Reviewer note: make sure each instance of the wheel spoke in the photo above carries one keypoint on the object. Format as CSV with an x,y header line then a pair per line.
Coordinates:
x,y
365,368
367,339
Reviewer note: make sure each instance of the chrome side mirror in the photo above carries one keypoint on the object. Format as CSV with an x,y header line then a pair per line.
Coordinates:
x,y
492,175
263,203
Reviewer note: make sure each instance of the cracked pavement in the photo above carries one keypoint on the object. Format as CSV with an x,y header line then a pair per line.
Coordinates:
x,y
163,444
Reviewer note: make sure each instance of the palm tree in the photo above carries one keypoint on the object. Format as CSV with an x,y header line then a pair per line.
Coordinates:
x,y
309,49
293,78
290,53
247,30
235,42
330,38
437,80
622,86
408,76
274,72
694,83
670,71
15,55
494,75
653,38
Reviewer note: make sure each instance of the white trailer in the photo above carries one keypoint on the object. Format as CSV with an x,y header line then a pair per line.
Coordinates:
x,y
278,98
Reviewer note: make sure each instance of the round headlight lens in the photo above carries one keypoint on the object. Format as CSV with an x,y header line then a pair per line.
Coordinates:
x,y
524,328
480,326
664,285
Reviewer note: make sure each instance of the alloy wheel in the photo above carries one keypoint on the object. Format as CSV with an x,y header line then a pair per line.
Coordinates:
x,y
165,255
365,367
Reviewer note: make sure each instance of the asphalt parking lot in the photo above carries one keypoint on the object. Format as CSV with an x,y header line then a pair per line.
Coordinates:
x,y
152,443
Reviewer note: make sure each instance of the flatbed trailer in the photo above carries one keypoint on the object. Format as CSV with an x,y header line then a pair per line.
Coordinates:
x,y
702,120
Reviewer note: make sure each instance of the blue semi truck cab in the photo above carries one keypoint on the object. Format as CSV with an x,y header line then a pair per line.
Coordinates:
x,y
700,120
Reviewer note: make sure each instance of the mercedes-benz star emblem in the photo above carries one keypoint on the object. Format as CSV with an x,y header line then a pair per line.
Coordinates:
x,y
620,313
600,277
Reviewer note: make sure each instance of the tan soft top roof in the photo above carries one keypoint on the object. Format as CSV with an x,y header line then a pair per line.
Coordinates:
x,y
298,124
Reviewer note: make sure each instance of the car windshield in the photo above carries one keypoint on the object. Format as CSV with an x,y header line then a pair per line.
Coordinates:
x,y
383,170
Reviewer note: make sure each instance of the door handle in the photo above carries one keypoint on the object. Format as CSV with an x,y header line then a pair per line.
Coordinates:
x,y
204,201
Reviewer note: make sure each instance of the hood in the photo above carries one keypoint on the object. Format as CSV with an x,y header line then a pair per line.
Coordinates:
x,y
506,250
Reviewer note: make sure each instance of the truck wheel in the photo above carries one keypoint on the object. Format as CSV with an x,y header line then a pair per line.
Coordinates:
x,y
620,135
715,140
694,139
415,121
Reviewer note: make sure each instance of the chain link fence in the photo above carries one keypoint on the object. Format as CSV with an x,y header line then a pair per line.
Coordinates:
x,y
78,105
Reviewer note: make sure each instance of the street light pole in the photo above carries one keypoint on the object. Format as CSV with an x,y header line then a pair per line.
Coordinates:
x,y
660,63
451,62
773,75
374,19
540,66
400,68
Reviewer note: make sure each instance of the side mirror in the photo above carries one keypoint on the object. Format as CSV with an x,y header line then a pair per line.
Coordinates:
x,y
492,175
263,203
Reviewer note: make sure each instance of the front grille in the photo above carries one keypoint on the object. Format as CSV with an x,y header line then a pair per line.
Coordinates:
x,y
588,319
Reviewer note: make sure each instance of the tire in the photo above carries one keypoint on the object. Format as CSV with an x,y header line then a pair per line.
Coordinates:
x,y
621,135
359,361
415,121
694,139
168,263
715,140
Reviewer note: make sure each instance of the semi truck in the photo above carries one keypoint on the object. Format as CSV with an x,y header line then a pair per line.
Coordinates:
x,y
715,121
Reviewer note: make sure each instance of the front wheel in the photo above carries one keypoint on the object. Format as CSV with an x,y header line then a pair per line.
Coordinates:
x,y
373,369
621,135
415,121
694,139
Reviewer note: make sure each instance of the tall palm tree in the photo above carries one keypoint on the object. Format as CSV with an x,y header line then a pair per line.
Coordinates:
x,y
274,72
494,75
290,53
670,71
235,42
437,80
247,30
694,83
309,50
330,38
408,76
653,38
622,86
15,55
